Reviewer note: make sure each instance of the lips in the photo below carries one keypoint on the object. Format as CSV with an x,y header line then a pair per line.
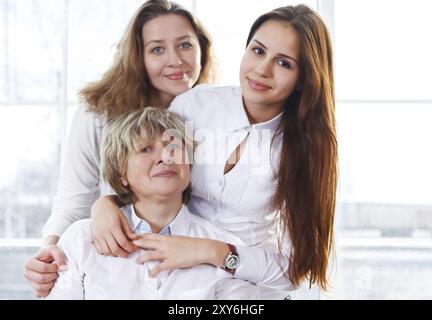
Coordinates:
x,y
176,76
165,174
258,86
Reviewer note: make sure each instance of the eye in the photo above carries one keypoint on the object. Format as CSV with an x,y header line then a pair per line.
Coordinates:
x,y
173,146
284,64
146,149
157,50
185,45
258,51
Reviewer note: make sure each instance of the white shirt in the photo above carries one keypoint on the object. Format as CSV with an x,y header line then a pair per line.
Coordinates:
x,y
91,276
237,202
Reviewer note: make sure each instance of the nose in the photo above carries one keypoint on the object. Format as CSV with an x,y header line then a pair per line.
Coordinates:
x,y
174,59
164,156
263,69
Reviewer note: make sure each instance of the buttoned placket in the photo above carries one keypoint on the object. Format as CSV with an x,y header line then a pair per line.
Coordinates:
x,y
151,285
219,180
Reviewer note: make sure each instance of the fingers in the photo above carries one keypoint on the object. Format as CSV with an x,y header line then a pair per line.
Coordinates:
x,y
115,249
40,278
153,236
103,247
59,257
42,290
39,266
147,244
150,256
159,268
96,245
124,243
128,232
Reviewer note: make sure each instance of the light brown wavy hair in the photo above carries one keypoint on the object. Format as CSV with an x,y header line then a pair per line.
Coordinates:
x,y
126,87
307,176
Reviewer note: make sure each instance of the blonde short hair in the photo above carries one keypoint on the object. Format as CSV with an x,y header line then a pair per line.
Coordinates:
x,y
123,136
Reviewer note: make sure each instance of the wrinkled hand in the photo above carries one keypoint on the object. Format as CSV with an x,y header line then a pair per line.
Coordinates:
x,y
174,252
111,233
41,269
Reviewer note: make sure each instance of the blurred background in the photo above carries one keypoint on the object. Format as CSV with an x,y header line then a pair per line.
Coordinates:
x,y
49,49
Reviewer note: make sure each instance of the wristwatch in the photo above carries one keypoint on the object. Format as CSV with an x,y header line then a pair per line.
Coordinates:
x,y
232,260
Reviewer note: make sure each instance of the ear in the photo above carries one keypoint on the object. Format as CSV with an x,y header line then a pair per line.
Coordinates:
x,y
124,182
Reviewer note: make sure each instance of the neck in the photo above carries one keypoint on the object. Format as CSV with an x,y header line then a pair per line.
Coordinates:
x,y
259,113
157,212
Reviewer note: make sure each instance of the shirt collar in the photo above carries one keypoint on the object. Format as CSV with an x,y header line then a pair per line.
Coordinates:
x,y
179,226
237,118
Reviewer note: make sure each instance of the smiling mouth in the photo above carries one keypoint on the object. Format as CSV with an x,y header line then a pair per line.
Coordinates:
x,y
165,174
177,76
258,86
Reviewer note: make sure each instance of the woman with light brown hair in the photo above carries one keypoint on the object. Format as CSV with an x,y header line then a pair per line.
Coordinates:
x,y
164,52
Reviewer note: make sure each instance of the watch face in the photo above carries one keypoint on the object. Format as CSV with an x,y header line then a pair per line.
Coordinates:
x,y
232,262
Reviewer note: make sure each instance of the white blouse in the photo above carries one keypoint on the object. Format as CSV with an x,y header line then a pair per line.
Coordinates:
x,y
237,202
91,276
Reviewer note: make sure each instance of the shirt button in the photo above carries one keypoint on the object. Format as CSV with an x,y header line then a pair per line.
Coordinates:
x,y
220,183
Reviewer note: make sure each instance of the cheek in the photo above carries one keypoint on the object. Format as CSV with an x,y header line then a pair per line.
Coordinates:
x,y
137,169
287,83
245,65
249,63
193,59
154,68
185,173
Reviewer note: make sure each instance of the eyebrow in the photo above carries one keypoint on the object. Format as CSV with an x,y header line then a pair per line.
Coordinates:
x,y
161,41
279,54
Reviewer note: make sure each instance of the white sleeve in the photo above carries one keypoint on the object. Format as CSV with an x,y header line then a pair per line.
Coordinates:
x,y
69,285
79,182
265,267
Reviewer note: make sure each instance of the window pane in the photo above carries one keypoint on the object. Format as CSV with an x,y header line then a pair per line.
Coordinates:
x,y
230,28
382,49
3,55
29,169
93,37
12,283
32,49
377,270
385,153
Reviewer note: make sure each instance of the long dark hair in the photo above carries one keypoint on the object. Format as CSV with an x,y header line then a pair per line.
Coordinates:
x,y
307,176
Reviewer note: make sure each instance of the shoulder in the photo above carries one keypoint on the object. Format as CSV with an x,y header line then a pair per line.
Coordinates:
x,y
204,228
213,92
87,128
84,116
78,232
197,103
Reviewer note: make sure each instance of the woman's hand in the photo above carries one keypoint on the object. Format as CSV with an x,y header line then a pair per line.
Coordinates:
x,y
177,252
111,233
41,269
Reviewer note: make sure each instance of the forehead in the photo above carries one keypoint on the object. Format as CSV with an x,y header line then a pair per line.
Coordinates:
x,y
159,135
167,27
279,37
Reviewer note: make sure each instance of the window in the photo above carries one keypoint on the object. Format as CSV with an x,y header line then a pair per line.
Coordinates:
x,y
383,85
49,50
